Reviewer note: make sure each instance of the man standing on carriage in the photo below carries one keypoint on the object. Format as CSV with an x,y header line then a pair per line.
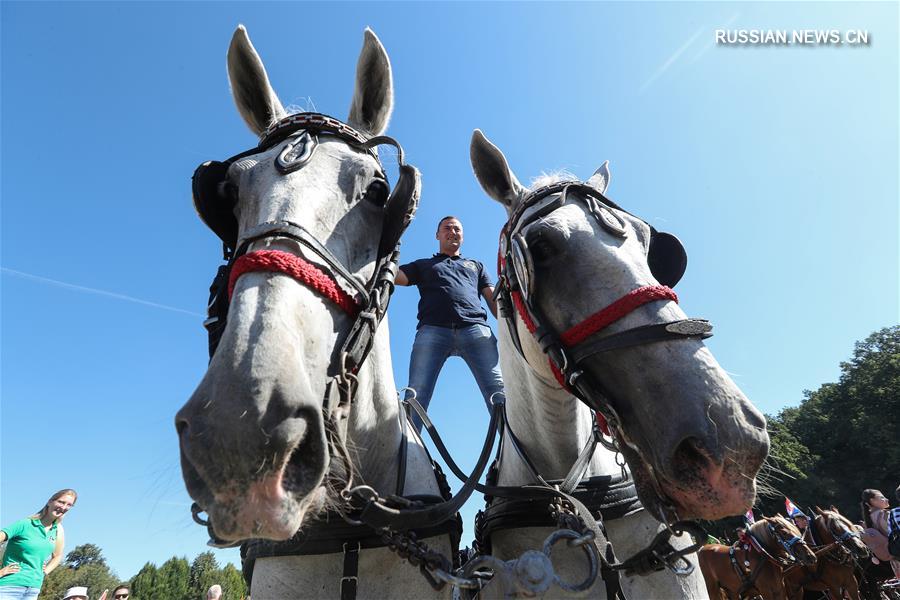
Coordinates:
x,y
452,320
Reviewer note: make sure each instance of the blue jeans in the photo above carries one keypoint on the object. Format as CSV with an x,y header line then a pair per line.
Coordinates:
x,y
474,343
19,592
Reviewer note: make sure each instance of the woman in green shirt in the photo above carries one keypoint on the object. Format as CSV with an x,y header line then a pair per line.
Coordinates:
x,y
34,548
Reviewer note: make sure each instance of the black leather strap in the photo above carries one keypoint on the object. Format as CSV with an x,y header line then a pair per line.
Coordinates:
x,y
350,576
298,233
637,336
605,497
331,533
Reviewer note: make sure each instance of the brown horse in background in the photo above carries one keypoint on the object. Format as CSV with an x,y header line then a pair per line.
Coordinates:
x,y
754,565
836,543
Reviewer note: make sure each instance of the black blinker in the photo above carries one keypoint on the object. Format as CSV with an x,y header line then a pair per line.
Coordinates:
x,y
667,258
214,209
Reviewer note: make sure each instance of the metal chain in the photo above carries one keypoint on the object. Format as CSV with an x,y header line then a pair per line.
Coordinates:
x,y
432,564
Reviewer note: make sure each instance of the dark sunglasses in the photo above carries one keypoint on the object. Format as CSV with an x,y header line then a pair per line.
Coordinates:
x,y
124,596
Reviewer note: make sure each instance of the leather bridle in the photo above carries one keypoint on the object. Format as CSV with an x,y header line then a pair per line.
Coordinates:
x,y
366,304
568,351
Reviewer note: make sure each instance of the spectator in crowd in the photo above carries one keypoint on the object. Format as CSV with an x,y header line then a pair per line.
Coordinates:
x,y
875,509
76,593
214,593
122,592
34,548
801,521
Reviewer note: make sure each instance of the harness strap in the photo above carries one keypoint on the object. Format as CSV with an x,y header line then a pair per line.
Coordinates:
x,y
401,516
296,232
748,577
350,576
604,496
610,576
576,472
331,534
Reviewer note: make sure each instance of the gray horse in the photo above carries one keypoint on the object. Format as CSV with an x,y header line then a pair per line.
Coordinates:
x,y
255,446
693,442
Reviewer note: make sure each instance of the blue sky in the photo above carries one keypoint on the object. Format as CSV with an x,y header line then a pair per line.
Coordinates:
x,y
777,166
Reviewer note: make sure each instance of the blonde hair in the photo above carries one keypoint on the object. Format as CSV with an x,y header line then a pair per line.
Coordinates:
x,y
66,492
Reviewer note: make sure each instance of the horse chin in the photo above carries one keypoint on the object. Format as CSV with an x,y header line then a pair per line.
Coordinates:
x,y
265,510
273,506
711,492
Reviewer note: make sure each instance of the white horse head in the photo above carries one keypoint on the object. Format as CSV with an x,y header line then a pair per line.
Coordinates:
x,y
254,445
693,441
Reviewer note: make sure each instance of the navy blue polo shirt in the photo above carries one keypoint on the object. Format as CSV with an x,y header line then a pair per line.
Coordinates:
x,y
449,289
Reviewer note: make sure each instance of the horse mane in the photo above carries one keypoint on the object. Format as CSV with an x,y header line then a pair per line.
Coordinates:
x,y
786,524
836,515
546,178
761,532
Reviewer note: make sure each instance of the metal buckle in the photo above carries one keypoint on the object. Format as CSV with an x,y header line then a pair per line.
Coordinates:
x,y
689,327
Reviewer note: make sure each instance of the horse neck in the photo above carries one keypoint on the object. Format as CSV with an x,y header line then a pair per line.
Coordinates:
x,y
552,425
821,530
760,530
373,433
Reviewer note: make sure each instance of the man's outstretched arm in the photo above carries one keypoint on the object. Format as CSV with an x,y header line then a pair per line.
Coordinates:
x,y
488,293
401,278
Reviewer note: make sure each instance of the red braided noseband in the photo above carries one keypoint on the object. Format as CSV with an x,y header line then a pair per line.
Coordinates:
x,y
598,321
602,319
292,265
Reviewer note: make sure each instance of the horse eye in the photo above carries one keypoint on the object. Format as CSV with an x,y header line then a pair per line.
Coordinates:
x,y
541,249
377,192
228,190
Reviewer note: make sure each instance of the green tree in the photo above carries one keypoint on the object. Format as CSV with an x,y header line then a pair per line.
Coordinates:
x,y
842,438
143,585
233,585
851,428
173,580
204,573
56,583
85,554
85,565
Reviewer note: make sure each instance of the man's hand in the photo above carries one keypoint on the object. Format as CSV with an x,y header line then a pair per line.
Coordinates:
x,y
401,278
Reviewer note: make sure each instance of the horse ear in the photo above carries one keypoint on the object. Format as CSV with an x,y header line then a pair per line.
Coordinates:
x,y
253,95
600,179
373,96
492,171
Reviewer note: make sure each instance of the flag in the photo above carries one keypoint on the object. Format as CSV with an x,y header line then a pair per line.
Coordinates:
x,y
103,595
792,511
749,517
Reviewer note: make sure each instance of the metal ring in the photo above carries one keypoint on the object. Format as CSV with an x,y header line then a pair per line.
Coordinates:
x,y
456,580
195,514
590,551
307,143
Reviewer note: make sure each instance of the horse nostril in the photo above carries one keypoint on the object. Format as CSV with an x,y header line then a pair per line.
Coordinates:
x,y
691,456
181,425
